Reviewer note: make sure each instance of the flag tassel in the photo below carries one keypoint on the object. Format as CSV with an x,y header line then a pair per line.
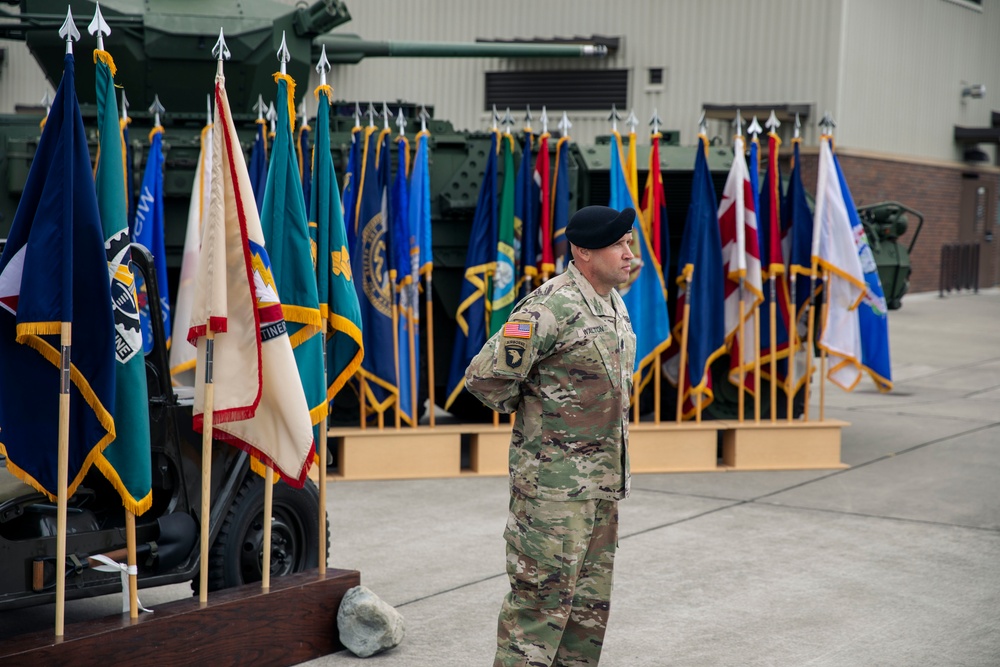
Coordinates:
x,y
66,335
206,466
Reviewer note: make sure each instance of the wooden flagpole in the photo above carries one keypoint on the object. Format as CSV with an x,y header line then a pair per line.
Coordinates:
x,y
741,339
682,367
133,583
322,447
822,353
395,346
362,388
793,343
265,568
206,467
430,349
414,415
773,337
810,308
62,472
657,379
756,364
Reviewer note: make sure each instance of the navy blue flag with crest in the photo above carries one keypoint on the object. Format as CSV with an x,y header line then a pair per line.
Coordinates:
x,y
54,270
258,164
526,217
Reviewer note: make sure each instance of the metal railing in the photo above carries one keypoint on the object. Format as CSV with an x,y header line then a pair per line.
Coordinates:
x,y
959,267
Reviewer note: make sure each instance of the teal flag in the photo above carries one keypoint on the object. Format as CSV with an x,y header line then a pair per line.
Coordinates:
x,y
644,294
502,301
287,240
126,461
338,300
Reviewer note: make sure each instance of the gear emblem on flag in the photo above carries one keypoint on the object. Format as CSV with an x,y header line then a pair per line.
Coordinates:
x,y
128,335
373,255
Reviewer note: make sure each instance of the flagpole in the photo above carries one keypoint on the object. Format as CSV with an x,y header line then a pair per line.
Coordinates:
x,y
133,584
206,467
66,344
265,568
636,391
741,340
756,364
363,387
773,337
822,350
656,390
323,462
430,349
810,307
681,369
414,416
395,346
793,344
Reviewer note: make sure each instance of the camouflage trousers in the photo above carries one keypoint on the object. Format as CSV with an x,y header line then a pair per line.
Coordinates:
x,y
560,561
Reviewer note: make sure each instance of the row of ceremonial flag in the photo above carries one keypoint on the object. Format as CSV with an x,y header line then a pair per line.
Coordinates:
x,y
300,279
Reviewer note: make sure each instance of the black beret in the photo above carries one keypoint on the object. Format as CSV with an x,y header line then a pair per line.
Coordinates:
x,y
598,226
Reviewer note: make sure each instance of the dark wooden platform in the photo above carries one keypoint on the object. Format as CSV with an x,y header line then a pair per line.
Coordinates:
x,y
296,621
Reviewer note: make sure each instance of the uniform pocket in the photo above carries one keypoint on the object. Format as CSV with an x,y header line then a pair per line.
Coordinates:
x,y
536,565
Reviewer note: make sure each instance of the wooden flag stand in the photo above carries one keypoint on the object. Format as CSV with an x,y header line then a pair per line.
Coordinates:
x,y
295,621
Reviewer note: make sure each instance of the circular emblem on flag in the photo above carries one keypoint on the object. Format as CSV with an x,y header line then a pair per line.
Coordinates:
x,y
375,274
128,336
503,277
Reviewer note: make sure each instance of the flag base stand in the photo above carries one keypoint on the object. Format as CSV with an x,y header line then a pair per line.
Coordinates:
x,y
783,445
294,622
673,447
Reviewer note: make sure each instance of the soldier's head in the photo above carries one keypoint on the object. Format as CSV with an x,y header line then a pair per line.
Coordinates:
x,y
600,238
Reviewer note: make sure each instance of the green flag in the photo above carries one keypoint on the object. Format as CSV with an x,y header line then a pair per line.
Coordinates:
x,y
126,461
286,238
338,298
504,278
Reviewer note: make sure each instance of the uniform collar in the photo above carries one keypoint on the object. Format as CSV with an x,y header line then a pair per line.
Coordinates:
x,y
598,304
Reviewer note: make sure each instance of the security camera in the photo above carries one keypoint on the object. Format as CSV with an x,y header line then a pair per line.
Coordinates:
x,y
975,91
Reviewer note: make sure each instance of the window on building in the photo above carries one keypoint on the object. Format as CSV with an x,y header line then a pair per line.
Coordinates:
x,y
569,90
655,76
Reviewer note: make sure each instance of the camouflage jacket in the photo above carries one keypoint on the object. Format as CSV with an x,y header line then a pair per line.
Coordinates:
x,y
563,362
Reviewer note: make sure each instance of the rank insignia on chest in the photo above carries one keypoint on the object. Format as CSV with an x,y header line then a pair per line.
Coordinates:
x,y
517,330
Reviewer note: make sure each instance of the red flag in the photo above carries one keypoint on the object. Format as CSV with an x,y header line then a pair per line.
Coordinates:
x,y
545,222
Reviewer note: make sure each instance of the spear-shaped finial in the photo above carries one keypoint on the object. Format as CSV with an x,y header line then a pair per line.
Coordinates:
x,y
631,121
125,106
156,109
614,118
47,101
798,126
357,114
702,125
424,117
755,128
826,123
564,125
772,124
496,117
221,51
655,121
68,30
738,124
527,117
545,120
283,55
99,25
260,107
305,113
385,116
323,66
272,116
401,122
371,113
507,121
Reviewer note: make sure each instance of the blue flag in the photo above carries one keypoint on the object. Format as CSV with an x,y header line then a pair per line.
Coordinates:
x,y
149,230
126,461
352,183
338,300
480,261
370,262
405,273
560,206
644,294
288,243
54,270
258,164
526,219
700,262
420,204
873,314
800,227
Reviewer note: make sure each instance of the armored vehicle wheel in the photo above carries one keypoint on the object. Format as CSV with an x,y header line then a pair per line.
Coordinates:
x,y
236,555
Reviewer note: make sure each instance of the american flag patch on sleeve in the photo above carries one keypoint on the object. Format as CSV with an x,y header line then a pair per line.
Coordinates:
x,y
517,330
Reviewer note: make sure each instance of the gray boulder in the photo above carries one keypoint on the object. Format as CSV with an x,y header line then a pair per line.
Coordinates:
x,y
367,624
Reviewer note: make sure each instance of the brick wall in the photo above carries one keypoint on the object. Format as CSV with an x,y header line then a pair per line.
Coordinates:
x,y
934,190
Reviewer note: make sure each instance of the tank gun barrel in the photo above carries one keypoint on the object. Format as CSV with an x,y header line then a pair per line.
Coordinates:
x,y
350,49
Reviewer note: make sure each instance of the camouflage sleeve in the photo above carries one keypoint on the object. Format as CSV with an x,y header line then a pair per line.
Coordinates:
x,y
506,361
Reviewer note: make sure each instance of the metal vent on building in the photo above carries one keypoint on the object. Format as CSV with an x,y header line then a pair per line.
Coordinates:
x,y
569,90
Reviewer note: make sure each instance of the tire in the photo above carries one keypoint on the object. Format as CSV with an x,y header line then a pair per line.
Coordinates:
x,y
235,557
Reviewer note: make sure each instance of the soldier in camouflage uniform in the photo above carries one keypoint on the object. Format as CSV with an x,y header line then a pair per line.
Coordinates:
x,y
563,363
